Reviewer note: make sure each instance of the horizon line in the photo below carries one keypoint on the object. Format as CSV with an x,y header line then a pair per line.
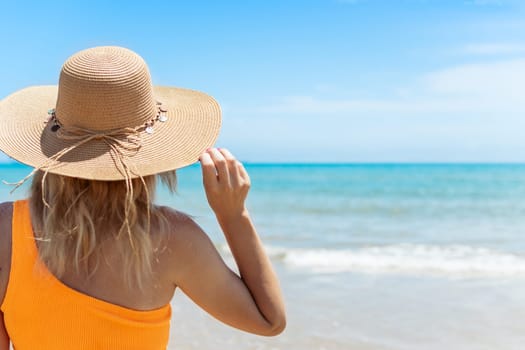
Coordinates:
x,y
339,163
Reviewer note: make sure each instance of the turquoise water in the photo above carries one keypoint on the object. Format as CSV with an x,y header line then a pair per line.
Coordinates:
x,y
375,256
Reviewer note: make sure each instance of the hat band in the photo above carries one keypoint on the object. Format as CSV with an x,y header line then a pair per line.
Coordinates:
x,y
122,143
161,116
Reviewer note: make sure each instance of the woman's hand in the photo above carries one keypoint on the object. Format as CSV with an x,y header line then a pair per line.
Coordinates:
x,y
226,183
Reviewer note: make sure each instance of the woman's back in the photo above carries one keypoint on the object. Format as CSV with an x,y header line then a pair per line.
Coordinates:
x,y
107,282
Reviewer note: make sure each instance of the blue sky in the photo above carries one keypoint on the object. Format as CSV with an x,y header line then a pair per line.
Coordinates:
x,y
310,80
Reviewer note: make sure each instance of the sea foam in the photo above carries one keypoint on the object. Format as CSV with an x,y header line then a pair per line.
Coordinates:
x,y
451,260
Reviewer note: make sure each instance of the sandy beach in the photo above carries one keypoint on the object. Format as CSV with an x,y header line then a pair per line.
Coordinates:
x,y
370,312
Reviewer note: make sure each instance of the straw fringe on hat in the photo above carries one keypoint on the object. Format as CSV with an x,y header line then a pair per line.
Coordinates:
x,y
107,121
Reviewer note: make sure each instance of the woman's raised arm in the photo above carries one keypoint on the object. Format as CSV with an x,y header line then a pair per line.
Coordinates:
x,y
253,300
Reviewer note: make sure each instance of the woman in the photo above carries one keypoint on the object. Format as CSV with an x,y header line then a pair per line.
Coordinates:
x,y
88,261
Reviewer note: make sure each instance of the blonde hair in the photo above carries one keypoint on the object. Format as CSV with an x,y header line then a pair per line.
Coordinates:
x,y
73,216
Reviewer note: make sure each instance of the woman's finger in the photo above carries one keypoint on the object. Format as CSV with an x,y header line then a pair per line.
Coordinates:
x,y
232,166
221,165
227,154
243,173
209,172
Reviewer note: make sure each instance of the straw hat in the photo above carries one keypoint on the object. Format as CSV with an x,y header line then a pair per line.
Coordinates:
x,y
106,121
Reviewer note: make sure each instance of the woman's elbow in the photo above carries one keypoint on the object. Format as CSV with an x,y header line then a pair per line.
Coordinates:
x,y
278,328
275,328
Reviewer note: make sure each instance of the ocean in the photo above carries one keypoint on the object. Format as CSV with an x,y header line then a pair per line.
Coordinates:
x,y
373,256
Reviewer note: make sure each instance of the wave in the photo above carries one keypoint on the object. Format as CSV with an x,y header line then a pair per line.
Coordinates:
x,y
412,259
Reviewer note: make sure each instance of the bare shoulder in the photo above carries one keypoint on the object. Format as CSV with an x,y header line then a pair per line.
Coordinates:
x,y
184,235
186,242
181,225
6,214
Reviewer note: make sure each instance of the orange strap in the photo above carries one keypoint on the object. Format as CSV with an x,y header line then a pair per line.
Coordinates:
x,y
40,312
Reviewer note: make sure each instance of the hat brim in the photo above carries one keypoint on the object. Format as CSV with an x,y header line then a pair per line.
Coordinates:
x,y
193,124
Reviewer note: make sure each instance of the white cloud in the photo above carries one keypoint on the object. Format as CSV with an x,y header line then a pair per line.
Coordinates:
x,y
497,87
494,49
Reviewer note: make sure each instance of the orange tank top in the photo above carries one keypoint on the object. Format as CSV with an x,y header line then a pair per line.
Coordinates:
x,y
40,312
